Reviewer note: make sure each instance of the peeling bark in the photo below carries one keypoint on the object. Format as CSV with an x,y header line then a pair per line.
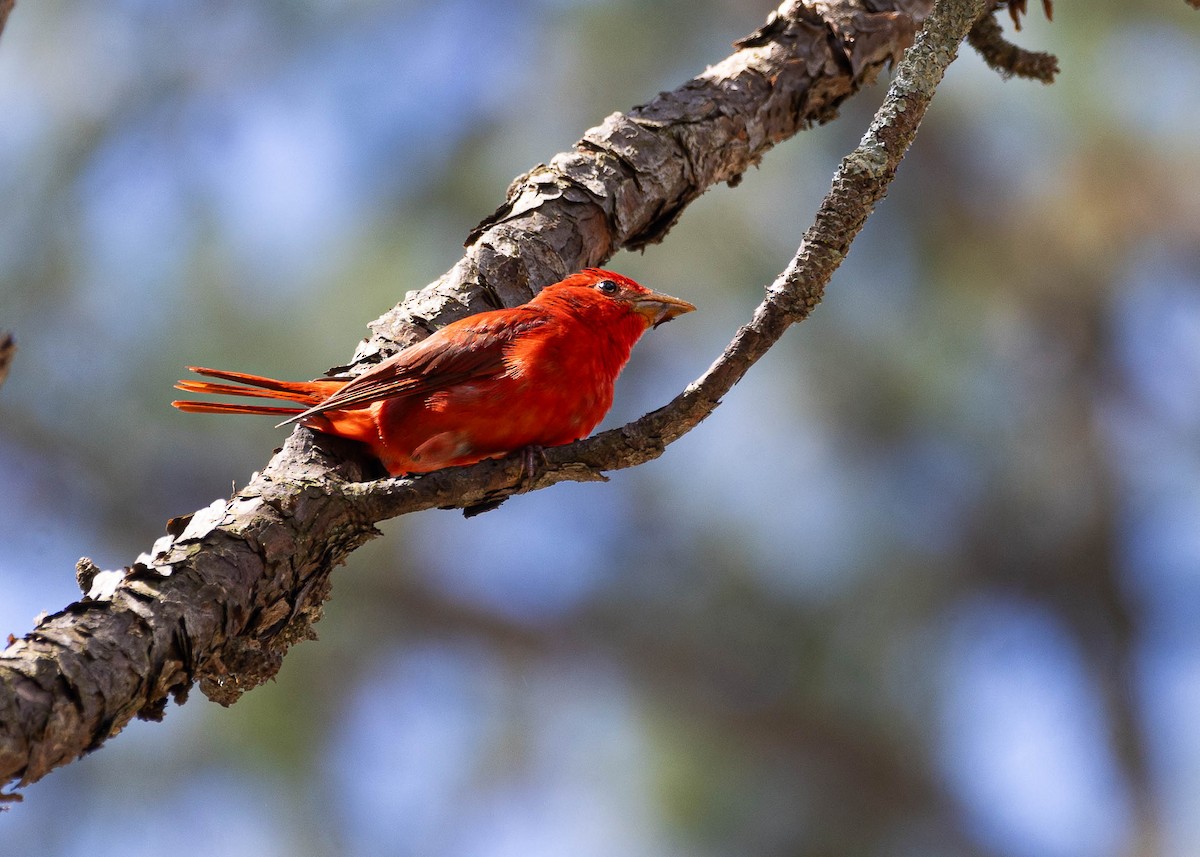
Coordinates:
x,y
221,598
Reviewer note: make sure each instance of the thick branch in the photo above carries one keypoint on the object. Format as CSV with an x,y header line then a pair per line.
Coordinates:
x,y
860,183
628,180
222,597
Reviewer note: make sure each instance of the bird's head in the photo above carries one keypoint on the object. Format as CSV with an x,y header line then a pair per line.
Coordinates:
x,y
655,307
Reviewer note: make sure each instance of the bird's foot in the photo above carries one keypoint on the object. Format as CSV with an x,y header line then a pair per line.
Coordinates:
x,y
532,457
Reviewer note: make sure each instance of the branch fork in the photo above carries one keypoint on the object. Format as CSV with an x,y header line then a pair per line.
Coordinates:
x,y
221,597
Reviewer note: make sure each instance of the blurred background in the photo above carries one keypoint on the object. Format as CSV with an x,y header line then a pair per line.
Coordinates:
x,y
926,584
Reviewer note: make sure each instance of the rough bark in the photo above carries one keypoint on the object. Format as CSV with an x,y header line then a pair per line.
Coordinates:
x,y
1007,58
628,180
227,591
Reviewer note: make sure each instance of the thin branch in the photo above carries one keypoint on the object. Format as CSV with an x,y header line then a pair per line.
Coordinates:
x,y
1017,8
1010,60
627,182
220,599
860,183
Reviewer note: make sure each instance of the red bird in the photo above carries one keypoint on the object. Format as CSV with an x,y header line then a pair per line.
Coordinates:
x,y
540,374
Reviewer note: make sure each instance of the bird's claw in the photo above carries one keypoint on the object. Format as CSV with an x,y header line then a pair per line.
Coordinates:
x,y
530,457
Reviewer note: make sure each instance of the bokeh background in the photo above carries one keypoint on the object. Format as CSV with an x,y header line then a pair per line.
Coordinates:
x,y
926,584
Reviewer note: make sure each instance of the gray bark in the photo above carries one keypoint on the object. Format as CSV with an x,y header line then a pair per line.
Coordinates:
x,y
222,597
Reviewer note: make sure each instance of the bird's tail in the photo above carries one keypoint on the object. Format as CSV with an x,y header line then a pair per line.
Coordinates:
x,y
306,393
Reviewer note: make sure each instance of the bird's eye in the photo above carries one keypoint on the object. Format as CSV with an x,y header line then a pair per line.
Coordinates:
x,y
607,287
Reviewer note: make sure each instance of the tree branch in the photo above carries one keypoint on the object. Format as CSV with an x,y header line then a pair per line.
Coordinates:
x,y
227,591
859,184
1010,60
628,180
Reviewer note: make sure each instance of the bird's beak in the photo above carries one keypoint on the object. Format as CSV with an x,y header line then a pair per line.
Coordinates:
x,y
658,308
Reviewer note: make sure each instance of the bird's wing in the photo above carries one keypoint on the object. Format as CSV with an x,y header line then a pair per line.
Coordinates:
x,y
473,348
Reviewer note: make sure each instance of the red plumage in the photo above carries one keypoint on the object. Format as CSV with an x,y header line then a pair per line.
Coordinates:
x,y
540,374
